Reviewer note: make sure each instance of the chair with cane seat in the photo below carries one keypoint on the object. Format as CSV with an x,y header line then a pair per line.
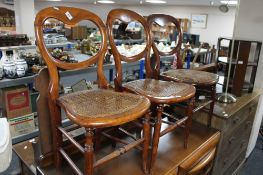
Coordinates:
x,y
159,92
203,81
91,109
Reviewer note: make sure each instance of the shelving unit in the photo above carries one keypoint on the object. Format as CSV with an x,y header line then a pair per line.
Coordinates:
x,y
34,46
243,66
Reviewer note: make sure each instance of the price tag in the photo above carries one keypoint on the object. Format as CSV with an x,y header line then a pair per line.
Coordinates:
x,y
69,16
240,62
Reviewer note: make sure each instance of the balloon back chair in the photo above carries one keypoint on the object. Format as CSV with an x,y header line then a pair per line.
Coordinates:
x,y
205,82
95,109
160,93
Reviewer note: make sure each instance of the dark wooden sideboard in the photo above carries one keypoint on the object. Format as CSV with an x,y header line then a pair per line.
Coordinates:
x,y
235,122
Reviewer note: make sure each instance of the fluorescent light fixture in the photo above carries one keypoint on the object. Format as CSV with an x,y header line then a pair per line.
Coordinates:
x,y
229,2
54,0
156,1
106,2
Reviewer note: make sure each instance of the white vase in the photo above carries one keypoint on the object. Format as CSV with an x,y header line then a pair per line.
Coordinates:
x,y
9,69
15,55
20,72
21,63
4,57
1,71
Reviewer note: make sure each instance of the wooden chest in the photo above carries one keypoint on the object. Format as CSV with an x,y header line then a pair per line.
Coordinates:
x,y
235,123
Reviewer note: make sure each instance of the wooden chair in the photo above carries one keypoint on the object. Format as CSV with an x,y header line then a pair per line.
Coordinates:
x,y
201,161
89,109
200,79
159,92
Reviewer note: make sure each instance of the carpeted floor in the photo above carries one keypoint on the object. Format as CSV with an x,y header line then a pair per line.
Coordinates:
x,y
254,163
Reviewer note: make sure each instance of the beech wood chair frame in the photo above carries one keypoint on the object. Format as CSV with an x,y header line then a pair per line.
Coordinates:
x,y
209,87
157,105
72,16
201,161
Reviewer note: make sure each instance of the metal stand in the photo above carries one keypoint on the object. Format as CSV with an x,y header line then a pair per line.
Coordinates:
x,y
226,98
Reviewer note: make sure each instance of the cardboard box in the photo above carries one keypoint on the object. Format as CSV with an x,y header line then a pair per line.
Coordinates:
x,y
15,101
22,125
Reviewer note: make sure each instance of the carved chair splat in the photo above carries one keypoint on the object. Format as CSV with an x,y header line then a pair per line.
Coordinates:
x,y
159,92
89,109
200,79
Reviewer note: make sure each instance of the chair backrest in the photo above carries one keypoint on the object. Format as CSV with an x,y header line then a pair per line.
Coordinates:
x,y
162,20
201,161
127,16
70,16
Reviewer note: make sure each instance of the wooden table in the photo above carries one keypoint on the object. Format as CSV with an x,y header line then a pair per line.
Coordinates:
x,y
171,153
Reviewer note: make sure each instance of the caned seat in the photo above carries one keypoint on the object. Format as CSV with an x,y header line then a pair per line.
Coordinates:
x,y
159,92
101,108
195,77
94,110
203,81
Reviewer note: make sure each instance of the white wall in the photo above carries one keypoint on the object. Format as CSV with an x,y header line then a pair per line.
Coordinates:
x,y
11,7
249,26
25,15
218,23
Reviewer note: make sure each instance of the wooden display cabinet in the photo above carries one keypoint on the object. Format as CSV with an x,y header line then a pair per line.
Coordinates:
x,y
243,66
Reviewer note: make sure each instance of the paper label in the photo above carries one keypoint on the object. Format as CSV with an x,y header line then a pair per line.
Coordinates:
x,y
69,16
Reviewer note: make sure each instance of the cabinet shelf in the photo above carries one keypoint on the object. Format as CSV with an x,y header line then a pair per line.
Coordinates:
x,y
245,54
224,60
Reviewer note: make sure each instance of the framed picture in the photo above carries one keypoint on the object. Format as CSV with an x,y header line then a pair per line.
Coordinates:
x,y
199,21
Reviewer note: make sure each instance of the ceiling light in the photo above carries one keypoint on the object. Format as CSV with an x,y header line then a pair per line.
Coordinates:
x,y
229,2
106,2
156,1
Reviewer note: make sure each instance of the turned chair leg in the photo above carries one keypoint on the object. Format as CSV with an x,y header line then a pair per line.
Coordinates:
x,y
156,135
188,124
212,104
58,143
57,137
146,144
88,152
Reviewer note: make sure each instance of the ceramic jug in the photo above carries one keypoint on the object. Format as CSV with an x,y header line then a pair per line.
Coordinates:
x,y
21,63
4,57
9,69
1,71
20,71
15,55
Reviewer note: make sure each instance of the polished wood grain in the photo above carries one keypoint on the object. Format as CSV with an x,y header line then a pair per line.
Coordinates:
x,y
194,77
159,92
162,20
45,148
90,109
201,161
235,122
171,155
